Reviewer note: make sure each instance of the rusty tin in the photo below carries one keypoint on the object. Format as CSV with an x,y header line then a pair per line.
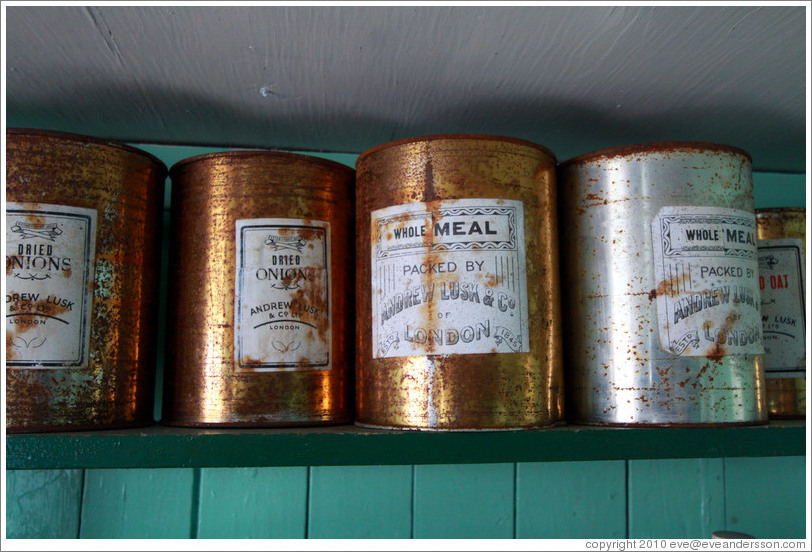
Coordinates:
x,y
261,264
82,237
458,322
661,299
781,263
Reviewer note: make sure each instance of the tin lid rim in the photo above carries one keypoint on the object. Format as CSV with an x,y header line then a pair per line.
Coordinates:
x,y
86,139
653,147
455,136
779,210
258,153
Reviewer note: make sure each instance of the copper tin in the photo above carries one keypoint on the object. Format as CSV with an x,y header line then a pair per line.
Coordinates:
x,y
662,322
83,228
445,224
287,221
782,247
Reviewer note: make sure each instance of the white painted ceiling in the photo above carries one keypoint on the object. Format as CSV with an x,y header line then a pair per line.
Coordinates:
x,y
344,79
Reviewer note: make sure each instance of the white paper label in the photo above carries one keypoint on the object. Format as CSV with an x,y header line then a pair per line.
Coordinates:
x,y
781,281
707,281
449,277
50,255
282,302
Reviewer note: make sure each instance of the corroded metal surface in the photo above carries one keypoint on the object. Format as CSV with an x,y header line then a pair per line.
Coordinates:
x,y
786,395
260,374
111,318
452,333
616,207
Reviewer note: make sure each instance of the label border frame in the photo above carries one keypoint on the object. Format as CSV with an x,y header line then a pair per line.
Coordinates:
x,y
783,373
517,239
87,309
243,369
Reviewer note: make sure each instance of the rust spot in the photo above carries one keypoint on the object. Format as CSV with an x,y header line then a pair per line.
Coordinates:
x,y
36,220
430,193
670,286
717,353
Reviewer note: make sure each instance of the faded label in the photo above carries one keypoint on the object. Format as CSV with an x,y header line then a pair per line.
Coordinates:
x,y
449,277
781,281
282,302
50,253
707,281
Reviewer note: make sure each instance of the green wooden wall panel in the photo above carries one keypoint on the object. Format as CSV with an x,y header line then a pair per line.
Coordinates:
x,y
571,500
766,497
138,504
676,499
255,503
43,504
464,501
360,502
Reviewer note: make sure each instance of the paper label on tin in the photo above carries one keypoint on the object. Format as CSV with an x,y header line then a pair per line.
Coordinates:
x,y
282,319
708,301
781,281
50,258
449,277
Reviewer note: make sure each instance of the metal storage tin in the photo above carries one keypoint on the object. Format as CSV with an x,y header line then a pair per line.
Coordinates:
x,y
662,320
458,322
260,311
82,237
781,248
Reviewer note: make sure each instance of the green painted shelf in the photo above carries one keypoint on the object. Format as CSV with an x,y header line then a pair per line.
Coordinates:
x,y
168,447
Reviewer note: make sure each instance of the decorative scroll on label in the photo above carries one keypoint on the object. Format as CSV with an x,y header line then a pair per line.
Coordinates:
x,y
50,258
449,277
781,281
706,271
282,301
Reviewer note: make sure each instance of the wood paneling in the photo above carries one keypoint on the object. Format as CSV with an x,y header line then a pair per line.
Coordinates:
x,y
255,503
360,502
43,504
464,501
766,497
571,500
145,504
574,78
676,499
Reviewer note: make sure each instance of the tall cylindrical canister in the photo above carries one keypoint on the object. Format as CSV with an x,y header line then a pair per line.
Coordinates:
x,y
662,315
781,254
458,324
82,257
260,303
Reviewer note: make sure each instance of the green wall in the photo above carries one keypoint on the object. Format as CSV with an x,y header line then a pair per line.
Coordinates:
x,y
612,499
609,499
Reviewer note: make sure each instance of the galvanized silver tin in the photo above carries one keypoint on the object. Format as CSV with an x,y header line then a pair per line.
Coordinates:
x,y
660,291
